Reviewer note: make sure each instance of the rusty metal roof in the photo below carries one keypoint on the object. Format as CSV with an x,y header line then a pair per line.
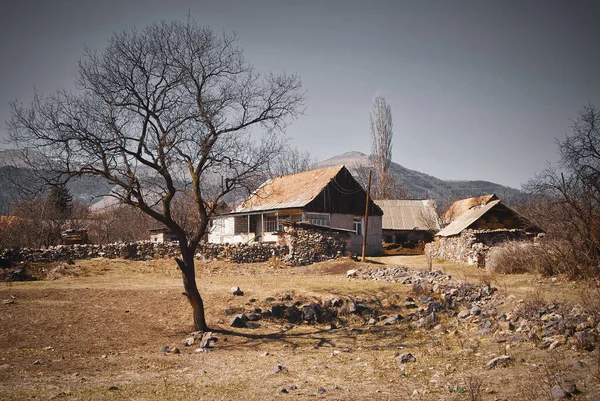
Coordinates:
x,y
409,214
469,217
289,191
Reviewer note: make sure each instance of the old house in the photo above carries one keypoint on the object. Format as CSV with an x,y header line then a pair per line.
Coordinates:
x,y
476,224
327,197
160,235
483,213
411,223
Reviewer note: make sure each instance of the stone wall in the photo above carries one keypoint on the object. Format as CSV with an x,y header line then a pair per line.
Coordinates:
x,y
471,246
309,246
300,247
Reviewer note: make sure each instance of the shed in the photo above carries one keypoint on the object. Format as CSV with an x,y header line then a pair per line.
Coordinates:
x,y
408,222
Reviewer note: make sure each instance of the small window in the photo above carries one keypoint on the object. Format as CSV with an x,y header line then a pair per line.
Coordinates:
x,y
318,219
357,225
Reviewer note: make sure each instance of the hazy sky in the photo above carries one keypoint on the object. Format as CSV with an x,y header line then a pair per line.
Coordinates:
x,y
478,89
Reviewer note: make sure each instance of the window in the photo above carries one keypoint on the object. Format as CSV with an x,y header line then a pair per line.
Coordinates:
x,y
318,219
270,224
357,225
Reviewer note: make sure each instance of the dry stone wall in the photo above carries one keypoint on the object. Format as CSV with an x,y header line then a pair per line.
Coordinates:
x,y
471,247
305,247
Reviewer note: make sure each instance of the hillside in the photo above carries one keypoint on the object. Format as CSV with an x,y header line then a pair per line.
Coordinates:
x,y
420,185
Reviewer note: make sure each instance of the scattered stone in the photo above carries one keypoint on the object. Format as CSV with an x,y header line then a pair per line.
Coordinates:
x,y
237,291
501,360
352,273
187,342
393,320
557,392
238,321
283,390
406,358
208,340
113,388
475,310
280,369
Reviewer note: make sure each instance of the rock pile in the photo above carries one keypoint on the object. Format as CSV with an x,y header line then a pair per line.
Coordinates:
x,y
547,325
310,246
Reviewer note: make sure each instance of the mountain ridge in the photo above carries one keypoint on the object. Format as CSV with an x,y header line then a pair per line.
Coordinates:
x,y
420,185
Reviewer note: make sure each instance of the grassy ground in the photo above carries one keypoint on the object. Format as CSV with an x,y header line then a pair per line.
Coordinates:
x,y
97,335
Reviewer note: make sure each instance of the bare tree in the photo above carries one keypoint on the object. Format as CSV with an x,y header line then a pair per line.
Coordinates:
x,y
570,192
172,109
385,186
291,161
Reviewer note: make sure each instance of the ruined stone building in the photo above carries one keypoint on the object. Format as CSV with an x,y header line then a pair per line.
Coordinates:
x,y
476,224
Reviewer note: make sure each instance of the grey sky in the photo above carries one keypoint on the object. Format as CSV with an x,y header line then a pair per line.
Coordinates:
x,y
478,89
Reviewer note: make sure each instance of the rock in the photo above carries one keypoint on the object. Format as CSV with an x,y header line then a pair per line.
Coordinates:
x,y
113,388
393,319
424,299
557,392
585,340
270,299
352,273
372,321
238,321
406,358
277,311
475,310
279,369
501,360
253,317
570,388
187,342
463,314
434,307
208,340
252,325
312,313
237,291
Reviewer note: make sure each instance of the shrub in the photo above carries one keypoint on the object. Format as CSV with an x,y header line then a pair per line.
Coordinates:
x,y
548,258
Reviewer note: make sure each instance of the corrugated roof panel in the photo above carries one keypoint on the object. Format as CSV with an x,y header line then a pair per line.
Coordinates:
x,y
463,221
409,214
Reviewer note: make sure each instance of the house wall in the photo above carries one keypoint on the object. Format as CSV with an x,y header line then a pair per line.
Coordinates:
x,y
374,238
222,230
343,195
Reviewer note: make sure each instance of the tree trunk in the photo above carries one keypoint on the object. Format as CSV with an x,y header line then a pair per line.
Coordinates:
x,y
191,289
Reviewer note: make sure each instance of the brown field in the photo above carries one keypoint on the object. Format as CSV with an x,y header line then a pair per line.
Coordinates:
x,y
97,335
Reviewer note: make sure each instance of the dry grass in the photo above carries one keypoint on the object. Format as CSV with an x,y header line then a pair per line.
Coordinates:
x,y
76,336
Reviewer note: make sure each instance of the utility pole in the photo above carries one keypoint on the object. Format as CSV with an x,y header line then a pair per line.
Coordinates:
x,y
364,244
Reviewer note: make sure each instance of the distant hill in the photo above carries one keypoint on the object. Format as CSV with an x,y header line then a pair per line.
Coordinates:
x,y
420,185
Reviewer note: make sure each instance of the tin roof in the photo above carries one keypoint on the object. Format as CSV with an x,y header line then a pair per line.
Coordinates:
x,y
289,191
409,214
470,216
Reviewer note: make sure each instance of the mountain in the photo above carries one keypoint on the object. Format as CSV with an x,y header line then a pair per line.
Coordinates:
x,y
420,185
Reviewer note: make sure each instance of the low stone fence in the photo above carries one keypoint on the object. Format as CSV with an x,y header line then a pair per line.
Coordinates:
x,y
299,247
471,246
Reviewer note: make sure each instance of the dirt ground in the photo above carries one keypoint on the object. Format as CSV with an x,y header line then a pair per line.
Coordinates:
x,y
96,331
